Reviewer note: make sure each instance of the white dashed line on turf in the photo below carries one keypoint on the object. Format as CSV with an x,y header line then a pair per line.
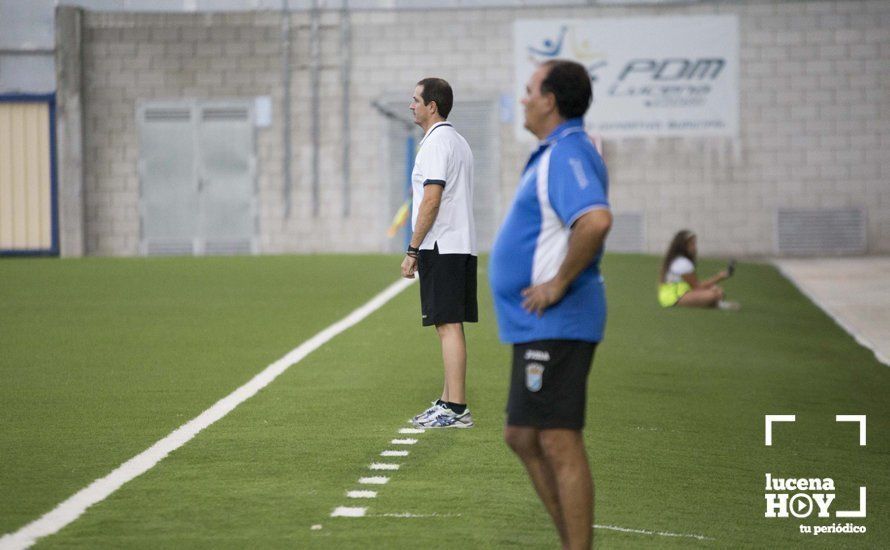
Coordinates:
x,y
394,453
377,480
348,512
647,532
383,466
68,511
353,512
409,515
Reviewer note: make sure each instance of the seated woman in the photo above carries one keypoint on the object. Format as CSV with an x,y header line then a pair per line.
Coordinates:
x,y
679,284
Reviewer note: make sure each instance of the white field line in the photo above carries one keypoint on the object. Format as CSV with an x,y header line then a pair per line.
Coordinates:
x,y
383,466
340,511
71,509
394,453
647,532
376,480
409,515
412,431
857,336
348,512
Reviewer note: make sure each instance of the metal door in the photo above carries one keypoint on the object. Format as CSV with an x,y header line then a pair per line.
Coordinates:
x,y
28,215
197,178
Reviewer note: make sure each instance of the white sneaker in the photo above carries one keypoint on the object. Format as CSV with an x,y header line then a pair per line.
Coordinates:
x,y
435,407
446,418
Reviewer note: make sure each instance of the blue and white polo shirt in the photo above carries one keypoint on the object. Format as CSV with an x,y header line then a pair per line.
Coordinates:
x,y
564,179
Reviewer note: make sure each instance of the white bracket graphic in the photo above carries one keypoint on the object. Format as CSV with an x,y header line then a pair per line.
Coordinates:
x,y
858,513
769,419
854,418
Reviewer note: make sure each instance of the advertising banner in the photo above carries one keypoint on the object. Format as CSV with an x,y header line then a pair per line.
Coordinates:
x,y
655,76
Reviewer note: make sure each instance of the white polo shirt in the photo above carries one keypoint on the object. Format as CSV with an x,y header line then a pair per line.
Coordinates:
x,y
445,159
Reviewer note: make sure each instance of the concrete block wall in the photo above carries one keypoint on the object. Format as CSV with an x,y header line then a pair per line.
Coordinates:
x,y
815,117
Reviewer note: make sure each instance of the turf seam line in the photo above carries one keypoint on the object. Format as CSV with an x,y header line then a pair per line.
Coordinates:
x,y
69,510
859,338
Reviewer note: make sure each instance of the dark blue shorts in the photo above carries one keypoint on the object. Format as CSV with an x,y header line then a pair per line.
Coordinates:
x,y
548,387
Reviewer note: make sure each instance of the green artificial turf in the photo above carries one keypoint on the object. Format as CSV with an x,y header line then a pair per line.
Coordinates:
x,y
102,357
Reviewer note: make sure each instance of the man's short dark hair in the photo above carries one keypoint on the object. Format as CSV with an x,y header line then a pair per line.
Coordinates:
x,y
569,82
438,90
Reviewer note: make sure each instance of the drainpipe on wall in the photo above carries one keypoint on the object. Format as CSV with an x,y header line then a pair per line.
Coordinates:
x,y
314,77
285,105
346,68
70,132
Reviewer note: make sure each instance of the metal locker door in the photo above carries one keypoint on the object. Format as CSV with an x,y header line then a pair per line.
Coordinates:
x,y
167,179
226,177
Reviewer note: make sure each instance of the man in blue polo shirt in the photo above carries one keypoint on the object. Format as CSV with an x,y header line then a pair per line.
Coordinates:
x,y
549,295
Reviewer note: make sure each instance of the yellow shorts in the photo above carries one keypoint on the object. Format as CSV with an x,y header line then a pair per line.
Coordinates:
x,y
670,293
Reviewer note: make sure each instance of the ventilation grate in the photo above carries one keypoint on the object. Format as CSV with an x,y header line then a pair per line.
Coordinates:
x,y
820,232
168,248
165,115
223,113
226,248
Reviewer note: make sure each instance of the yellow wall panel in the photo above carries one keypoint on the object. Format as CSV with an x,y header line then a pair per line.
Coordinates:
x,y
5,178
25,177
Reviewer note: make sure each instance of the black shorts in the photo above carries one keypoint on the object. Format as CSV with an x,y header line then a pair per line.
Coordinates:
x,y
447,287
548,388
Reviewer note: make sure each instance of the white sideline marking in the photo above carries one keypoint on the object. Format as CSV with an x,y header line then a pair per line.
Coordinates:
x,y
408,441
72,508
348,512
377,480
361,494
647,532
412,516
383,466
412,431
394,453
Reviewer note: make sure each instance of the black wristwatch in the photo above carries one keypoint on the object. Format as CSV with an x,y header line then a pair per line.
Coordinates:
x,y
412,251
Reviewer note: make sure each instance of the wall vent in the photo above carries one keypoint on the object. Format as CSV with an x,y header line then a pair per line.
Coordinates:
x,y
169,248
227,248
223,113
161,115
829,232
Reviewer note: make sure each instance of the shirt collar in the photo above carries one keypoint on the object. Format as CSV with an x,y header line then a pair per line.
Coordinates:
x,y
433,127
570,126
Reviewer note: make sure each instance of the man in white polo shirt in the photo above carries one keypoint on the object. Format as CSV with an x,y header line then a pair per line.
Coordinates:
x,y
443,247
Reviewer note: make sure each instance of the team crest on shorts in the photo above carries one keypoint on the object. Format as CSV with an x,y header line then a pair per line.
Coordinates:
x,y
534,376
